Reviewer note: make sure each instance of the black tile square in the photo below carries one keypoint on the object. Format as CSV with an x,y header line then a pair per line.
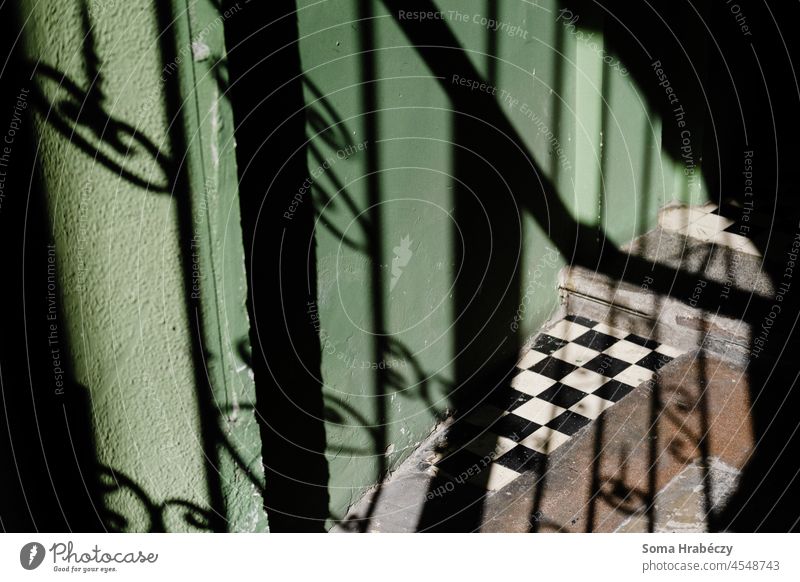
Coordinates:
x,y
461,434
613,390
728,211
736,228
654,361
585,321
562,395
641,341
606,365
460,461
568,422
595,340
514,427
745,228
553,368
521,459
508,399
547,344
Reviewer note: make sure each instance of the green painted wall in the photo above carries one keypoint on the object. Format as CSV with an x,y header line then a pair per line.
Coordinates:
x,y
418,295
140,177
576,110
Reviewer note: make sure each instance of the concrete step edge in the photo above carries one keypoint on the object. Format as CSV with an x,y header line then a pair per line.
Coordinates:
x,y
641,311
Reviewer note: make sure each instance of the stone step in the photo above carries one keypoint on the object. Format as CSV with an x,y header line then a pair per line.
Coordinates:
x,y
653,315
694,279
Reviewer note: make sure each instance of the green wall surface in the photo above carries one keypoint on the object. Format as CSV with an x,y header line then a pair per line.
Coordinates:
x,y
136,157
538,70
452,162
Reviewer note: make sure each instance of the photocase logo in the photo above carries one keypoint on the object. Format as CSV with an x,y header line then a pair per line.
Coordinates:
x,y
402,255
31,555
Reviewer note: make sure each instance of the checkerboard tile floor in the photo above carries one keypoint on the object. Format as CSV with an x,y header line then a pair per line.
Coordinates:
x,y
572,372
726,225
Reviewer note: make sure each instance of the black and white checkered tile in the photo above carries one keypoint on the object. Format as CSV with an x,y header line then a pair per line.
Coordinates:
x,y
726,225
572,373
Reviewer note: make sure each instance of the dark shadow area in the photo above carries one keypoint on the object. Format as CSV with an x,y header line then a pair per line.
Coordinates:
x,y
744,100
768,492
267,97
47,454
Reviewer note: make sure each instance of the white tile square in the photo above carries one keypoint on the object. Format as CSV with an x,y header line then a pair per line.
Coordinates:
x,y
538,411
567,330
627,351
675,219
545,440
584,380
494,477
531,383
701,232
490,444
714,222
591,406
575,354
728,239
634,375
612,331
708,207
531,358
680,217
669,351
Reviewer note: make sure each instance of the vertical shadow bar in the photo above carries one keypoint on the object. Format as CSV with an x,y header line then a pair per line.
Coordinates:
x,y
280,258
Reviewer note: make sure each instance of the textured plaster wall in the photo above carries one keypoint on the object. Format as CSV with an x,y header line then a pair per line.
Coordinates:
x,y
130,209
586,125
